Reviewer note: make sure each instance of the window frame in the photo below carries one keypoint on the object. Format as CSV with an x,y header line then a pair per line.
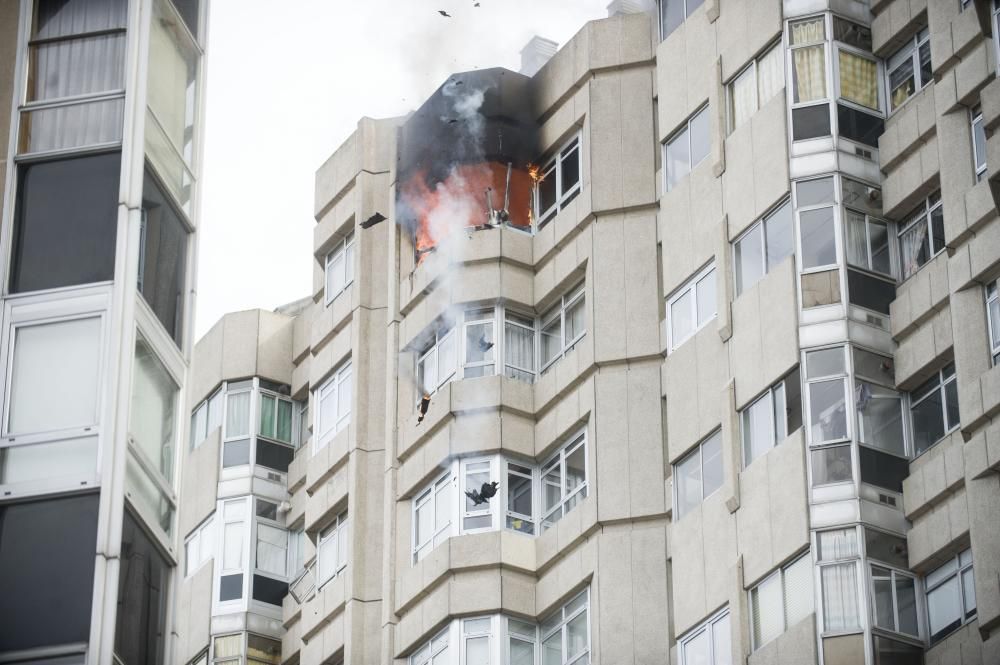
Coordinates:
x,y
826,44
709,626
677,513
751,68
976,118
894,574
911,48
961,570
429,496
803,558
562,627
344,251
690,286
263,392
942,382
197,537
337,532
851,49
834,204
762,224
991,293
559,457
771,395
844,376
922,214
426,652
840,560
331,388
569,299
684,132
553,166
687,14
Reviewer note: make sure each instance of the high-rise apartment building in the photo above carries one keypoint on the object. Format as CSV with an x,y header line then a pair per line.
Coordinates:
x,y
100,129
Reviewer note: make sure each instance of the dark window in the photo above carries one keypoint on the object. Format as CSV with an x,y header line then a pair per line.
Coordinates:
x,y
65,222
269,591
188,9
267,509
882,469
870,292
230,587
235,453
810,122
47,571
142,598
273,455
162,258
859,126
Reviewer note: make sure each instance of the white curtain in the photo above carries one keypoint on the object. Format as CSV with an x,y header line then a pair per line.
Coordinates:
x,y
238,415
840,596
809,73
743,97
770,74
857,239
519,349
912,246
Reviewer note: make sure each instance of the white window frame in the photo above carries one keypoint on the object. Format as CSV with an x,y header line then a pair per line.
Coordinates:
x,y
343,252
336,535
472,317
484,509
840,560
771,395
762,224
890,234
264,392
243,522
828,72
942,381
566,496
687,14
428,652
470,634
995,24
696,450
296,552
834,205
844,377
432,353
861,53
992,295
274,524
710,625
527,472
690,286
920,216
751,70
527,323
963,566
201,417
976,117
330,389
199,546
567,301
445,483
562,628
911,49
239,388
803,559
553,168
894,573
684,133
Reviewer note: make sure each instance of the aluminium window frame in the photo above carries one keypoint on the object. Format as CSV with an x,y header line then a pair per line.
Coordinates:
x,y
750,68
428,651
244,524
485,509
335,532
840,560
894,573
527,323
687,15
197,535
708,625
961,570
762,224
771,395
276,523
828,72
487,318
567,301
837,208
940,388
891,246
845,376
839,98
676,513
911,48
331,388
562,625
553,167
262,392
976,117
690,286
991,292
429,496
781,572
683,132
433,347
344,251
921,214
558,459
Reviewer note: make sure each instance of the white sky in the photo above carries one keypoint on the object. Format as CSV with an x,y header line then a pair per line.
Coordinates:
x,y
287,82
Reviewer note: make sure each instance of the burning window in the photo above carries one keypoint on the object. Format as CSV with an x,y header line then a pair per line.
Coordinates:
x,y
558,182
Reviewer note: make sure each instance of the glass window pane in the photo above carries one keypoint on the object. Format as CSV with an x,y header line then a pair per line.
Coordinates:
x,y
477,651
521,652
701,138
283,428
857,238
825,362
519,492
722,649
42,461
798,591
55,364
163,260
570,170
749,258
858,79
576,469
840,597
697,651
154,395
780,236
551,337
479,342
272,549
232,546
742,97
547,190
837,544
944,608
711,460
901,81
831,465
885,547
267,416
671,16
237,415
688,478
71,67
678,159
880,417
66,222
852,33
770,74
827,411
576,636
819,244
878,233
766,611
882,598
928,421
758,433
810,122
552,649
951,404
808,73
870,292
968,592
682,322
814,192
171,94
906,605
809,31
706,297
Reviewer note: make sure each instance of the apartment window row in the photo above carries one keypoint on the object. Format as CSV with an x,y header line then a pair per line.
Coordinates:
x,y
472,346
249,648
697,475
333,411
686,148
259,428
562,638
755,85
771,417
934,408
199,547
709,643
206,417
673,13
691,307
781,600
558,181
339,268
763,246
528,498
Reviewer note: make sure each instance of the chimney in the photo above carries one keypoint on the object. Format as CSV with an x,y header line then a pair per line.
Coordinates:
x,y
536,53
618,7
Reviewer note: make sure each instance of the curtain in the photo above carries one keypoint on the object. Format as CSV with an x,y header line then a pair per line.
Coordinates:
x,y
73,126
743,98
913,246
238,415
857,239
152,419
77,67
809,73
770,74
840,596
519,349
858,79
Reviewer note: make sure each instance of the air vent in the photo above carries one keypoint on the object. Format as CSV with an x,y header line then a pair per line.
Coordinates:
x,y
875,320
861,152
887,500
276,477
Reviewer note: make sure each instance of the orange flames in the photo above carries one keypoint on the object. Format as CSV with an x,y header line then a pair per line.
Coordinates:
x,y
460,201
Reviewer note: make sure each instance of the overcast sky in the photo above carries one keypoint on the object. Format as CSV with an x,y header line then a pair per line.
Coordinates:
x,y
288,81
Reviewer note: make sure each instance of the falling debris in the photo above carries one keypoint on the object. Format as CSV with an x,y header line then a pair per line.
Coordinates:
x,y
425,403
476,5
453,121
444,13
485,344
373,220
485,493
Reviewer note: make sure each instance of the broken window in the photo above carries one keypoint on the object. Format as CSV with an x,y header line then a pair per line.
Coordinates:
x,y
562,326
334,399
332,549
781,600
766,244
339,268
755,85
687,147
558,182
697,475
951,596
564,481
908,70
691,307
934,408
771,417
476,513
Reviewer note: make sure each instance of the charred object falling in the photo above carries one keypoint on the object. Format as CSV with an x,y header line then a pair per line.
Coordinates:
x,y
464,158
484,494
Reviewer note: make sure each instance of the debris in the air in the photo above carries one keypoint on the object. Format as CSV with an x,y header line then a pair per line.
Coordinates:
x,y
444,13
453,121
373,220
425,403
485,493
484,344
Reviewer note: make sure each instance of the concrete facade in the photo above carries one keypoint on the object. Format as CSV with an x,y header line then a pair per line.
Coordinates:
x,y
728,462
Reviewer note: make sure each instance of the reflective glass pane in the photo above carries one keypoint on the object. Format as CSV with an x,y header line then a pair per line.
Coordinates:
x,y
837,544
154,396
682,321
711,460
819,244
944,608
906,604
678,158
576,636
758,432
749,258
825,362
827,411
780,235
687,475
705,295
831,465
